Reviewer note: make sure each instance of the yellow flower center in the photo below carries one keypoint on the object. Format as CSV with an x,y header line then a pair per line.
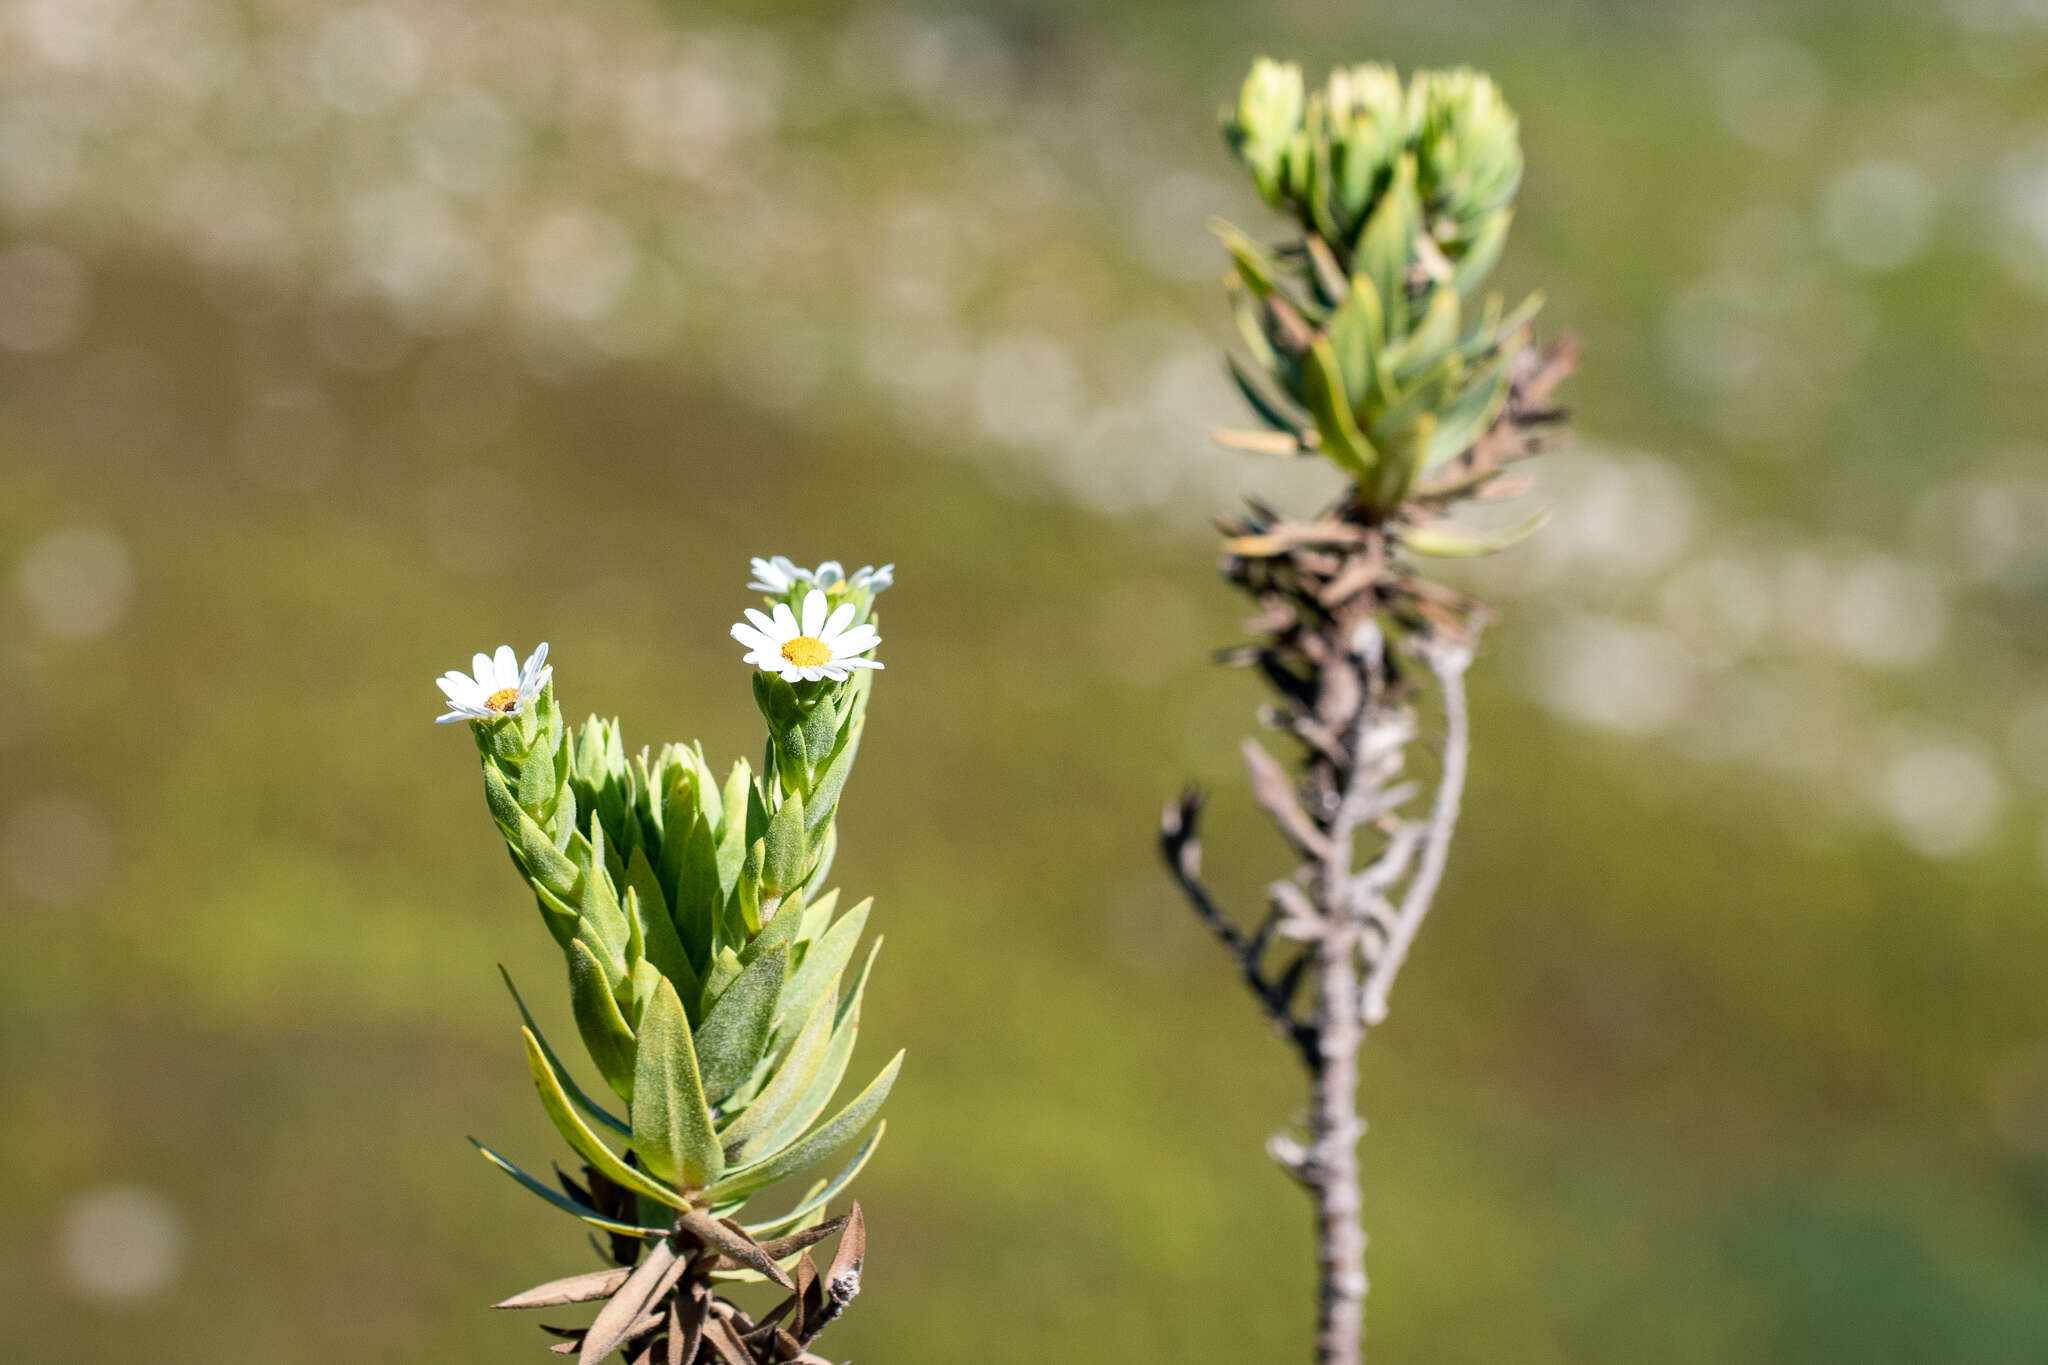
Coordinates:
x,y
504,701
807,652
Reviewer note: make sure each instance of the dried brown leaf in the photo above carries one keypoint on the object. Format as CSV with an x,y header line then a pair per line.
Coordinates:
x,y
724,1340
619,1317
598,1284
731,1241
1274,792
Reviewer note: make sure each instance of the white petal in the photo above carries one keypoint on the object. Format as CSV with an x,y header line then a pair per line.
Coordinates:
x,y
533,663
753,639
504,668
836,624
859,640
836,672
830,573
450,718
858,663
761,622
813,673
814,612
785,623
455,686
481,667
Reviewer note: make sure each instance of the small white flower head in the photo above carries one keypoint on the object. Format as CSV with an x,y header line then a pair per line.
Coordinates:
x,y
499,687
871,580
823,643
778,575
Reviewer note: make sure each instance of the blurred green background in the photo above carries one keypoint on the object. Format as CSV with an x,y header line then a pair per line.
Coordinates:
x,y
338,342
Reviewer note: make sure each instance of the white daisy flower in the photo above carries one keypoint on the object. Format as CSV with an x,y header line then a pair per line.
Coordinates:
x,y
778,575
823,644
499,688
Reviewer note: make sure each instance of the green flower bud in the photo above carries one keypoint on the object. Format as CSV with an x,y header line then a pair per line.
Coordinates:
x,y
1367,123
1265,124
1469,153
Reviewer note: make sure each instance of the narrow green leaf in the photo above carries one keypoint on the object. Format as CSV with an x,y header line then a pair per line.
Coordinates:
x,y
1479,257
821,733
562,1076
564,1202
542,861
604,1029
823,963
817,916
791,1081
498,796
831,777
788,850
1443,540
827,1139
700,897
820,1197
1383,248
832,1070
735,1030
1467,419
1355,340
1434,334
1256,266
672,1128
777,932
579,1137
1267,398
536,783
1323,387
650,911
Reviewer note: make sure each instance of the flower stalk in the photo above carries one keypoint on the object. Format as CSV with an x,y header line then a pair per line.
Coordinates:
x,y
1368,344
713,983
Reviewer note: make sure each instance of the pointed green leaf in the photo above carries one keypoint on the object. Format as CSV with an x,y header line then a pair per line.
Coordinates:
x,y
604,1029
817,916
791,1081
1323,387
1384,247
777,932
822,964
1435,334
1479,258
1356,340
820,1197
1467,419
831,1070
788,850
672,1128
1267,398
568,1084
827,1139
564,1202
831,776
1255,265
1443,540
585,1143
735,1030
